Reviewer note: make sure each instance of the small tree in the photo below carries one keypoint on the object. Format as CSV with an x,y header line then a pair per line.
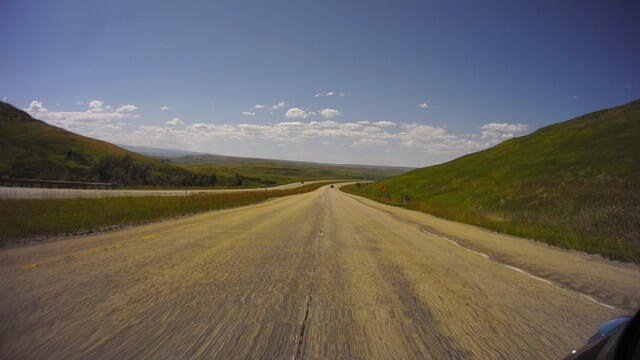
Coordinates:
x,y
213,179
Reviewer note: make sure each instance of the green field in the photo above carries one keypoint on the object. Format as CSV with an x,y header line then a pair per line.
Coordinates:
x,y
282,172
29,219
574,184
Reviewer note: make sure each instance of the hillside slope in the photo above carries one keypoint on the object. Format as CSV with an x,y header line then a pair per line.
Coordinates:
x,y
33,149
574,184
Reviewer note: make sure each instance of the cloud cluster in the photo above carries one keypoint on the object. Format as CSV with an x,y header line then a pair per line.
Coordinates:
x,y
99,120
103,121
97,113
430,139
423,105
294,113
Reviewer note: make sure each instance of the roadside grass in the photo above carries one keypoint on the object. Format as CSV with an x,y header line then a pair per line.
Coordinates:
x,y
574,184
559,228
40,218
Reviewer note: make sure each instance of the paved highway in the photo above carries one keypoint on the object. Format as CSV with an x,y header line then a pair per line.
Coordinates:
x,y
317,275
47,193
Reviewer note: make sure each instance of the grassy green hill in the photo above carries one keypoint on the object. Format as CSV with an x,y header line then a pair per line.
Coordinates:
x,y
32,149
574,184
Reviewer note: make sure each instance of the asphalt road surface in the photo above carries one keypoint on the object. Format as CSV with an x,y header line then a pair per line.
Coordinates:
x,y
317,275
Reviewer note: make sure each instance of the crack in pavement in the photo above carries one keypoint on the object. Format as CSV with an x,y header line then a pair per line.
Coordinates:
x,y
310,293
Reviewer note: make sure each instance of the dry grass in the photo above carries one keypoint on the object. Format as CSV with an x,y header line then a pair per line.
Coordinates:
x,y
24,219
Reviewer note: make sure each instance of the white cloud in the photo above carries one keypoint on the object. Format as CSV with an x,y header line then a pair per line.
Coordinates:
x,y
423,105
277,106
369,142
502,130
330,93
174,122
248,113
96,105
505,127
291,124
126,108
36,108
297,113
164,108
329,113
385,123
326,143
4,99
575,97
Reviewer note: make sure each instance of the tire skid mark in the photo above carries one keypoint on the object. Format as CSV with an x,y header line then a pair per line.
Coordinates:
x,y
490,258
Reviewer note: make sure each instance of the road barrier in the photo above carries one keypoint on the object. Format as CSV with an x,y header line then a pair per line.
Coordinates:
x,y
56,184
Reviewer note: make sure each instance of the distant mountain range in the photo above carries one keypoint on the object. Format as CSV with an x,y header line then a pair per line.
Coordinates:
x,y
191,157
158,152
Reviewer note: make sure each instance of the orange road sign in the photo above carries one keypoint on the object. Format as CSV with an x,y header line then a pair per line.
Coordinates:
x,y
383,188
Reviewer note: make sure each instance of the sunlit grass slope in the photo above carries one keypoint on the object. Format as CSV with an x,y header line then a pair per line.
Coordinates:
x,y
33,149
574,184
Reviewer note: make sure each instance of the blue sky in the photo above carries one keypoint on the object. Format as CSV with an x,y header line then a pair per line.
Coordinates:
x,y
409,83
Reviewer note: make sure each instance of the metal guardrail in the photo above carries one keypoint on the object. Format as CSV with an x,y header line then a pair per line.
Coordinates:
x,y
51,184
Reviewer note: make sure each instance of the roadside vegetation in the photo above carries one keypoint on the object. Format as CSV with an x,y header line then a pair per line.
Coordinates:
x,y
271,172
28,219
574,184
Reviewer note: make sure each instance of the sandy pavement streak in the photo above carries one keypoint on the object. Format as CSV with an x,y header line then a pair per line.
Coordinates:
x,y
316,275
40,193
